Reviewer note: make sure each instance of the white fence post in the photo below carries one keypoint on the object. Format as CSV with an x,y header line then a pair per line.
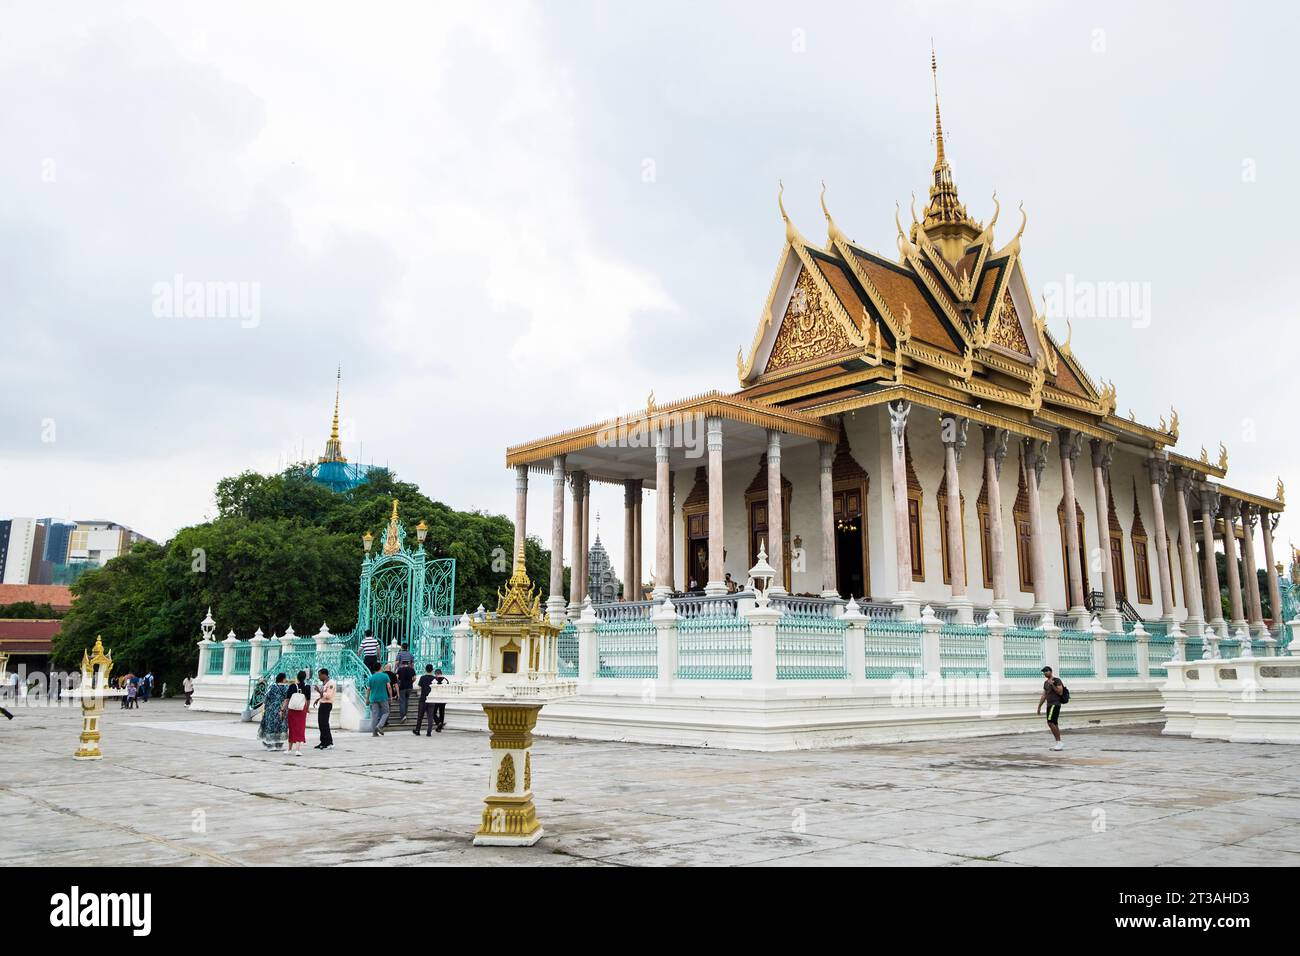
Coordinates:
x,y
855,635
256,654
460,646
1051,642
1099,635
762,644
665,621
588,649
930,653
228,648
997,643
1143,650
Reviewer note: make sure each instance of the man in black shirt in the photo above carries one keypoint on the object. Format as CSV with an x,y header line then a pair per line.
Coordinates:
x,y
440,707
405,681
1051,696
426,709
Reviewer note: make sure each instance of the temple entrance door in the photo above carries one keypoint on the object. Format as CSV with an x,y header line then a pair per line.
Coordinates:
x,y
850,537
758,534
697,551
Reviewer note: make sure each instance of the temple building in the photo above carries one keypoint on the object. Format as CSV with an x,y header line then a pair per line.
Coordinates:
x,y
907,431
603,585
332,469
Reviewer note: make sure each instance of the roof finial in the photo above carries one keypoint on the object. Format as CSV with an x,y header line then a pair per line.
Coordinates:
x,y
833,232
338,385
334,447
939,159
791,233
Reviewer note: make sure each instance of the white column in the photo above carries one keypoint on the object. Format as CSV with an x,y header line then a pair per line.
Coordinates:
x,y
1035,462
629,539
995,452
1158,468
460,635
1274,590
663,516
586,543
575,562
1254,606
1230,509
902,524
521,511
1195,624
638,549
717,584
1209,508
1071,444
829,589
555,602
1101,456
775,512
952,432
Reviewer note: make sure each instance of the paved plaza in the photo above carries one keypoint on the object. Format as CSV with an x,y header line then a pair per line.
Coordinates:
x,y
177,788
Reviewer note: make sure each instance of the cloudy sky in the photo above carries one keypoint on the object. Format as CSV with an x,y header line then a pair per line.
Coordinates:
x,y
508,219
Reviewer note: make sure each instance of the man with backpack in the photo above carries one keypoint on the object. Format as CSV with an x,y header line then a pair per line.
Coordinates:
x,y
1054,695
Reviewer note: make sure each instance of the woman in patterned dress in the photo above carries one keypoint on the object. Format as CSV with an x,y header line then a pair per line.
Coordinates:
x,y
274,730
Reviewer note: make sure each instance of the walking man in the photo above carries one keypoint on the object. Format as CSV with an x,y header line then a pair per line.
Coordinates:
x,y
324,705
380,692
404,656
370,651
405,681
426,709
1054,695
439,707
188,686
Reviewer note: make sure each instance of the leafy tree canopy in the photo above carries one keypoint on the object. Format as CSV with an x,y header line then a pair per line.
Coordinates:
x,y
282,550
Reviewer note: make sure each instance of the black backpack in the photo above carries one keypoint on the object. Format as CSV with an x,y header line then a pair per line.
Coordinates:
x,y
1065,693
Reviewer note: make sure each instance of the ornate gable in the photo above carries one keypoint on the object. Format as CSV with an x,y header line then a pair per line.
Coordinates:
x,y
1005,329
808,330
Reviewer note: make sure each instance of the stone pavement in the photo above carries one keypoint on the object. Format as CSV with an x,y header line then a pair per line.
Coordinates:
x,y
178,788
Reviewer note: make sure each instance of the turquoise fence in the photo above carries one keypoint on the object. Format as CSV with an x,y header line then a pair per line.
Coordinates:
x,y
1194,649
963,651
627,649
810,648
216,661
272,653
1161,649
568,650
243,658
1230,647
713,648
1121,655
1024,652
893,649
1076,654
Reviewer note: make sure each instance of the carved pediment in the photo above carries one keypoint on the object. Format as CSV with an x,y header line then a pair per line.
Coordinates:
x,y
1005,329
809,330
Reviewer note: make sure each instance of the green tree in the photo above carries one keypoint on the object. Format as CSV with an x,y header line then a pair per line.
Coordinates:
x,y
282,550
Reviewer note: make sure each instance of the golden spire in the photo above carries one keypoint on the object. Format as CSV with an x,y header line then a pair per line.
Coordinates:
x,y
392,541
939,158
334,447
946,223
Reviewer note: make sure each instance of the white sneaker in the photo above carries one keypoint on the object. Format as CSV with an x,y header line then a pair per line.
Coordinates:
x,y
1059,746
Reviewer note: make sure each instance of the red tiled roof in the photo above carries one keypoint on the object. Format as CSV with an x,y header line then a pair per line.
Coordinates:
x,y
56,596
20,636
